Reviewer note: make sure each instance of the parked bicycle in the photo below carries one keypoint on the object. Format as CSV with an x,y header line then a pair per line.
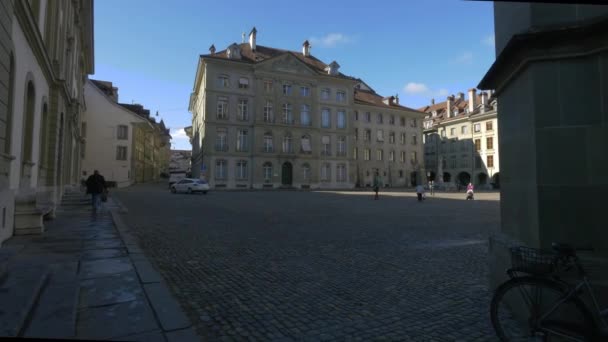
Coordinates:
x,y
546,306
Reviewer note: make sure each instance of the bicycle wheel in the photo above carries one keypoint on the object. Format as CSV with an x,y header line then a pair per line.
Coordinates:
x,y
519,304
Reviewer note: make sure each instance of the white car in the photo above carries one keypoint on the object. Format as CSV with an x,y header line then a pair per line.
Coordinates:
x,y
190,185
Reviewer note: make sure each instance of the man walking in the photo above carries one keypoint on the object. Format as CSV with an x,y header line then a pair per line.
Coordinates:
x,y
377,182
96,186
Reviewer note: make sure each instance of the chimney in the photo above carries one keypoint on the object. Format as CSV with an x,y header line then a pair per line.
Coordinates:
x,y
332,69
432,102
252,38
306,48
472,99
396,98
484,100
461,96
449,105
212,49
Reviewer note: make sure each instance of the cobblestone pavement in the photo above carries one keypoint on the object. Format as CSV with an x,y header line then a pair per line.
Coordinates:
x,y
290,265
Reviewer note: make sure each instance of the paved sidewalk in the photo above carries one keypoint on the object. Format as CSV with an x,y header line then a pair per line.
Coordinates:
x,y
86,278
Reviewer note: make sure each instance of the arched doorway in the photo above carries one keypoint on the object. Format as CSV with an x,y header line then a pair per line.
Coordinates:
x,y
464,178
447,177
432,177
496,180
482,179
414,178
286,173
28,135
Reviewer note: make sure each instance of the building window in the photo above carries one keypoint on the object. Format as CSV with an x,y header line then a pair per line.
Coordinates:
x,y
325,146
243,83
402,157
379,118
477,128
268,144
267,171
452,131
243,110
463,129
123,132
463,145
83,130
380,135
391,137
304,91
413,157
268,86
287,114
355,153
287,145
268,115
464,161
414,123
452,146
305,172
490,162
241,140
400,173
477,145
379,154
341,146
325,118
402,138
220,169
121,153
489,143
287,89
356,116
368,117
222,107
305,115
325,172
489,125
391,120
325,94
221,140
341,119
402,121
223,81
477,162
340,96
306,148
366,154
341,173
356,134
241,169
414,139
453,163
391,156
368,135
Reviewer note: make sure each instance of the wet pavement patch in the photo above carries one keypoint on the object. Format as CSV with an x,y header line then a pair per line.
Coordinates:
x,y
115,289
99,244
93,254
104,267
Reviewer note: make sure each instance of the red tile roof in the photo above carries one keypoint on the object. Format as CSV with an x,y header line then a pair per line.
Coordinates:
x,y
373,99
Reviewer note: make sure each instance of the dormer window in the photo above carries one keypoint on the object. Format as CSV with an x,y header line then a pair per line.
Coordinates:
x,y
332,69
233,52
434,113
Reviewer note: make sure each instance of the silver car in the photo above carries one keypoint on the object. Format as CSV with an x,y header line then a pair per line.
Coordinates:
x,y
190,185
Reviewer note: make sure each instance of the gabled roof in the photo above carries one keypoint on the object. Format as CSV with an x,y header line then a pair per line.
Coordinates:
x,y
372,99
462,105
263,53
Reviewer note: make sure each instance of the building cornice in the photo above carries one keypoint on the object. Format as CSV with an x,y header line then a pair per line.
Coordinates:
x,y
579,40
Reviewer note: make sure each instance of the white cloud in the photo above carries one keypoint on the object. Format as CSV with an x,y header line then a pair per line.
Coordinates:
x,y
330,40
465,58
414,88
489,40
421,89
179,133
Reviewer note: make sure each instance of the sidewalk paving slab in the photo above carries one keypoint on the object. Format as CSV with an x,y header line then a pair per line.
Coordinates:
x,y
118,288
150,336
167,310
55,312
183,335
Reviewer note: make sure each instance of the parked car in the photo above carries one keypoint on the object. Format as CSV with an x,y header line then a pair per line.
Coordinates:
x,y
190,185
176,176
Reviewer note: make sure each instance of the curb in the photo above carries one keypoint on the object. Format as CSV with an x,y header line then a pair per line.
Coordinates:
x,y
170,317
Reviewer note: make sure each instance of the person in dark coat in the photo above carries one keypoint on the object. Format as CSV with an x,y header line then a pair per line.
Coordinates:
x,y
377,184
96,186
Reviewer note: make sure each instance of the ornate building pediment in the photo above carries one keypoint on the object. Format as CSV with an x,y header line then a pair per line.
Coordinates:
x,y
286,63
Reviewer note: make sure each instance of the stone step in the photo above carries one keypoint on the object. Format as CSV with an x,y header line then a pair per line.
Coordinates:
x,y
55,313
18,295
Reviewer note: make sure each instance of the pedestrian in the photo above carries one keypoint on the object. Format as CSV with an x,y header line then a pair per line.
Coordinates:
x,y
470,191
377,182
419,192
431,187
96,186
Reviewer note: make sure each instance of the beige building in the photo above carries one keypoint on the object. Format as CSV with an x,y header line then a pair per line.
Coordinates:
x,y
180,161
265,118
461,141
47,54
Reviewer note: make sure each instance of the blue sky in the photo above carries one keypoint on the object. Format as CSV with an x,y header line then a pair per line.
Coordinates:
x,y
417,49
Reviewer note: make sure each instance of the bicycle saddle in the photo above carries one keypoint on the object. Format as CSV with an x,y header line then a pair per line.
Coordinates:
x,y
563,249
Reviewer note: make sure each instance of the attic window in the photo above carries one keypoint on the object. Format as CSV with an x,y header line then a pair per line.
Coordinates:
x,y
243,83
434,113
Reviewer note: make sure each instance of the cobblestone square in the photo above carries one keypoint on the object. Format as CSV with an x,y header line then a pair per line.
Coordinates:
x,y
289,265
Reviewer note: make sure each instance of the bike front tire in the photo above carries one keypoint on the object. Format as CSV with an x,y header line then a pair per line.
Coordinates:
x,y
519,303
